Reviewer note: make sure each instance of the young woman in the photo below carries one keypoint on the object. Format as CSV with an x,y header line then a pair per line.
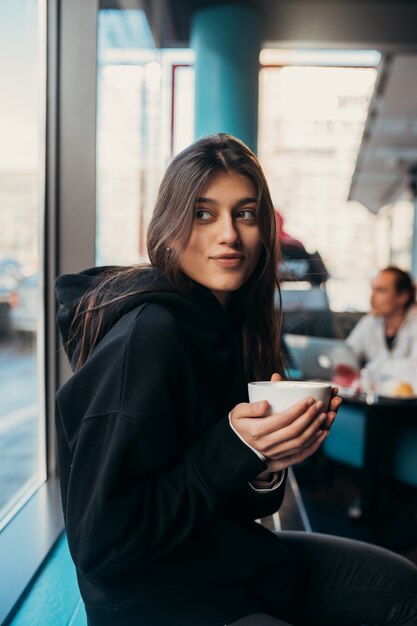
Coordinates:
x,y
164,465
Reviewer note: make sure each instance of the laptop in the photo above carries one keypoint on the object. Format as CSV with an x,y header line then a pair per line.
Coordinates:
x,y
317,357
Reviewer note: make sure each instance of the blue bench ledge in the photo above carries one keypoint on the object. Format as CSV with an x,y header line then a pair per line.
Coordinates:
x,y
53,598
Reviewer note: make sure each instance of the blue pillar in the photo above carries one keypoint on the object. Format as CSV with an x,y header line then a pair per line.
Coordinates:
x,y
227,40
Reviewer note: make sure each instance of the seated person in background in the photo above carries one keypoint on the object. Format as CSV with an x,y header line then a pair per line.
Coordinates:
x,y
386,339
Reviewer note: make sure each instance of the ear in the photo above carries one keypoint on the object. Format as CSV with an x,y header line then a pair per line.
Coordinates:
x,y
403,298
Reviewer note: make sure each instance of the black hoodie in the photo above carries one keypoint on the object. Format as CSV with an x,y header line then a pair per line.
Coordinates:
x,y
158,511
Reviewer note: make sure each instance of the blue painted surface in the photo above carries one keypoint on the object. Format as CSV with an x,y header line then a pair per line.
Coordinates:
x,y
294,374
345,442
227,41
54,598
405,456
79,618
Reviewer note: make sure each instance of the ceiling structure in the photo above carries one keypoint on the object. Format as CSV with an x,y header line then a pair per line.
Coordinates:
x,y
389,146
387,25
387,158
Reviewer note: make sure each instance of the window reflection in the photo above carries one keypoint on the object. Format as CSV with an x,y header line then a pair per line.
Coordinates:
x,y
22,128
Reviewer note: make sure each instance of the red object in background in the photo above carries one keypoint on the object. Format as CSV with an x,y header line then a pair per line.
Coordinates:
x,y
293,252
345,375
284,237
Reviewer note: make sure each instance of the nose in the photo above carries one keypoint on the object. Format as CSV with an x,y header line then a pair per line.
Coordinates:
x,y
228,232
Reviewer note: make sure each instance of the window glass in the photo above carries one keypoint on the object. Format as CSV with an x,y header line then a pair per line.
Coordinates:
x,y
145,97
22,156
311,121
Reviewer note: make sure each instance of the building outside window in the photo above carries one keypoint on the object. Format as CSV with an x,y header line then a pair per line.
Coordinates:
x,y
22,182
144,104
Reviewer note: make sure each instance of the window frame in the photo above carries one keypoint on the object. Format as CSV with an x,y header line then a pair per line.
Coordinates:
x,y
71,60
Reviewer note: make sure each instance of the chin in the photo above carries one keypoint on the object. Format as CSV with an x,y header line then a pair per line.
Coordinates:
x,y
232,284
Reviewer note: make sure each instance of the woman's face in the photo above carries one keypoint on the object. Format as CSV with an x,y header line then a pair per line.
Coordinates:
x,y
225,245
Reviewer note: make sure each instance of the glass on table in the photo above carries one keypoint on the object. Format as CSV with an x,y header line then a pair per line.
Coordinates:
x,y
369,385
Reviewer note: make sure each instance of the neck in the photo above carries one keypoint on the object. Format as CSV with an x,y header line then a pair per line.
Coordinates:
x,y
393,321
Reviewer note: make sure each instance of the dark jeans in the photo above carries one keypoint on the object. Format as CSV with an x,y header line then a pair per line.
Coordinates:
x,y
347,583
344,583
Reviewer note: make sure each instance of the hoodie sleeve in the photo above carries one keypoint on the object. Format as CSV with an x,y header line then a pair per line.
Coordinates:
x,y
134,492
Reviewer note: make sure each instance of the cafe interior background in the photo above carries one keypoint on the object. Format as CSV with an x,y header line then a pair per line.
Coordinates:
x,y
97,97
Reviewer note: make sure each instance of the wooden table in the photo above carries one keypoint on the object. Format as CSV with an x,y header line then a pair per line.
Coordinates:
x,y
383,418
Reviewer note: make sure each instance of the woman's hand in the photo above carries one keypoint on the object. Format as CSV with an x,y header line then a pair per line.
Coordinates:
x,y
288,437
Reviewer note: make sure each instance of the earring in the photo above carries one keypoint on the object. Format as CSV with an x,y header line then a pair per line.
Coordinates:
x,y
167,249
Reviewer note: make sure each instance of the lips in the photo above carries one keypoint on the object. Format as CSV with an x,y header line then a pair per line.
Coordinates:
x,y
233,255
232,260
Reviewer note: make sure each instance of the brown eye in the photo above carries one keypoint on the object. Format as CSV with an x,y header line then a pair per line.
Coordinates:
x,y
202,214
246,214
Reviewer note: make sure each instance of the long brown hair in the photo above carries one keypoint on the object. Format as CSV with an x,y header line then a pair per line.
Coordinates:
x,y
172,221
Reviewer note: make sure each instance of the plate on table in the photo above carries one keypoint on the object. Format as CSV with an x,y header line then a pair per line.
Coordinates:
x,y
387,390
394,396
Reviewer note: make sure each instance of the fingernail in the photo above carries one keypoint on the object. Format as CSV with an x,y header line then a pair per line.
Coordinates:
x,y
319,433
319,404
322,417
310,401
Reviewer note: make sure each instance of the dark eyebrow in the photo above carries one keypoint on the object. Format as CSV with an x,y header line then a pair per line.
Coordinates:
x,y
248,200
206,200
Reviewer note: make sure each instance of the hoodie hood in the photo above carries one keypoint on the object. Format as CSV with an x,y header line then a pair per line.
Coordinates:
x,y
200,310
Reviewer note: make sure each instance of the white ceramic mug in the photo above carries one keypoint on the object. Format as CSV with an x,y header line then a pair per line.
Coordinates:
x,y
283,394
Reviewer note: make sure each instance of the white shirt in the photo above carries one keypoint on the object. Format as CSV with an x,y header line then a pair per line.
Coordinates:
x,y
367,340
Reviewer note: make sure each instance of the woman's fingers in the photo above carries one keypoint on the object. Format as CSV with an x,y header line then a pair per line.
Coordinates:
x,y
331,415
301,433
276,449
246,410
292,421
298,455
286,438
276,377
283,434
334,404
333,408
